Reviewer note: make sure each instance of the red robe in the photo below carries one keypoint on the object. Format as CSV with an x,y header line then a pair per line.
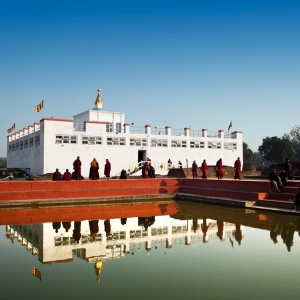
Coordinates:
x,y
220,173
94,174
204,168
56,176
237,166
107,169
67,176
77,169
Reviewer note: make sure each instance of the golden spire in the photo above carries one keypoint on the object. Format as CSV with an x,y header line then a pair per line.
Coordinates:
x,y
99,102
98,269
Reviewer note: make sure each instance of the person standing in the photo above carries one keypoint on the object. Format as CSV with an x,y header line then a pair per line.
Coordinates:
x,y
179,164
288,168
107,169
77,168
275,180
237,166
151,171
195,169
94,173
204,169
219,166
67,176
56,176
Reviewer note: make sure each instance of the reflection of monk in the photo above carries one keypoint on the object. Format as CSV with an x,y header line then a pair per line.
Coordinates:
x,y
107,227
56,226
220,225
94,228
288,235
204,228
67,226
238,233
123,221
77,231
146,221
195,224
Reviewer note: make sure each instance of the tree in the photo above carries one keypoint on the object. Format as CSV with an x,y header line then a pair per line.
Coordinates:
x,y
275,149
2,162
295,138
247,153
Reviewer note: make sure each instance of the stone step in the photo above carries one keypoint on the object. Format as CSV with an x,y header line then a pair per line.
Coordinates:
x,y
276,203
233,194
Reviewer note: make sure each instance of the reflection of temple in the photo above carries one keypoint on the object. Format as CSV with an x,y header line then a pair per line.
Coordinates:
x,y
97,241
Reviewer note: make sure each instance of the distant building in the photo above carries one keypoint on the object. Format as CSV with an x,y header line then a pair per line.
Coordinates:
x,y
55,143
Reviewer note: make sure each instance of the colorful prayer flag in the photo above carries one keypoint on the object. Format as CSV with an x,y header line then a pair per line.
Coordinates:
x,y
11,128
39,107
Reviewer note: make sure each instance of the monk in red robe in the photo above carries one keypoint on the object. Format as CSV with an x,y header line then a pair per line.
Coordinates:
x,y
195,169
107,169
77,168
67,175
94,173
56,175
219,166
237,166
204,169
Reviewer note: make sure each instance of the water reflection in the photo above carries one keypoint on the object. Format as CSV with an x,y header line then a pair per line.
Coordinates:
x,y
99,234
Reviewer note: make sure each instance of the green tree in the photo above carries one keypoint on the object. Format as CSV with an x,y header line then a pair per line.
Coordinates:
x,y
275,149
295,138
2,162
247,153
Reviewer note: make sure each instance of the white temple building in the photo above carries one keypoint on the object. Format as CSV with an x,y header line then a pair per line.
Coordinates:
x,y
55,143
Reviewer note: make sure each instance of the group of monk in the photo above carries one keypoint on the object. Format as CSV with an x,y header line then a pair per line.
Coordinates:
x,y
203,167
219,169
76,175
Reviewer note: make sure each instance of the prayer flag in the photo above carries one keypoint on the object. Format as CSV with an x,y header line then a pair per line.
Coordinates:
x,y
230,125
11,128
39,107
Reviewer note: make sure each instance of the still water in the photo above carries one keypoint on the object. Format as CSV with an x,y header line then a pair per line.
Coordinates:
x,y
149,251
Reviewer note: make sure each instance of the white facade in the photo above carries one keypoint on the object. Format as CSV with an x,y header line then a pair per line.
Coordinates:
x,y
55,143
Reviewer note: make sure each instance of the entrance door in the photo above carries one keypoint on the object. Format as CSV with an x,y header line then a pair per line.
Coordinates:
x,y
142,155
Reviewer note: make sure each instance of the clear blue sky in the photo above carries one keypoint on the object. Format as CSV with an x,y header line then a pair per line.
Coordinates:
x,y
178,63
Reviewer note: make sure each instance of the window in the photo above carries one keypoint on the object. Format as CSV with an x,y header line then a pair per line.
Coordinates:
x,y
230,146
116,141
196,144
37,140
31,142
178,143
214,145
159,143
17,145
118,127
21,145
109,127
138,142
92,140
65,139
26,143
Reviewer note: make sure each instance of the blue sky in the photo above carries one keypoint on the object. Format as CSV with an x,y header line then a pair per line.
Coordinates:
x,y
177,63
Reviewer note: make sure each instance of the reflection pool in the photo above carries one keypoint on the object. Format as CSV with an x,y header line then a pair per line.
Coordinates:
x,y
149,250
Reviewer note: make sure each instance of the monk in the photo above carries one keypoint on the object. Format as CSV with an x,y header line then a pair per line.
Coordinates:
x,y
94,173
195,169
67,175
107,169
219,166
77,168
56,175
204,169
237,166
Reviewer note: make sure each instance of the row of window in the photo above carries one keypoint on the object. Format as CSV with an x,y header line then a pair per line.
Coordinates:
x,y
93,140
25,144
